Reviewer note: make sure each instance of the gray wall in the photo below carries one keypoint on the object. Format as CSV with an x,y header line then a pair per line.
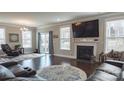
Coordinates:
x,y
100,44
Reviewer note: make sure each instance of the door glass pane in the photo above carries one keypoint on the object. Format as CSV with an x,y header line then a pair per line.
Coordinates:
x,y
47,43
44,43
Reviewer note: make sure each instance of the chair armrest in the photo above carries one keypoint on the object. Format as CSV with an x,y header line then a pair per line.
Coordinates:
x,y
15,51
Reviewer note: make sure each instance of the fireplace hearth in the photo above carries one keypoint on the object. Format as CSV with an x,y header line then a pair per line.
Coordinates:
x,y
85,52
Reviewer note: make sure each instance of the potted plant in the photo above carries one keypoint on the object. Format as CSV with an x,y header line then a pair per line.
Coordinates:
x,y
17,46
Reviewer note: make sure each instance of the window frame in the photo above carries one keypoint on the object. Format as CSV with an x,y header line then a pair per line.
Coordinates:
x,y
4,36
105,27
62,38
27,39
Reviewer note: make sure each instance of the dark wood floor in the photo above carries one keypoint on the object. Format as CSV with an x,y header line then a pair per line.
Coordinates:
x,y
48,60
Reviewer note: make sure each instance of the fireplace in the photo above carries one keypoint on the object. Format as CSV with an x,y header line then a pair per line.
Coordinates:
x,y
85,52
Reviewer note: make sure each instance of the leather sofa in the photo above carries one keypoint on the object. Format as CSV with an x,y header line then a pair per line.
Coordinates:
x,y
108,71
12,71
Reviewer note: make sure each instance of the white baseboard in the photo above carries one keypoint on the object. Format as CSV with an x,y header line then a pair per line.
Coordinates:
x,y
65,56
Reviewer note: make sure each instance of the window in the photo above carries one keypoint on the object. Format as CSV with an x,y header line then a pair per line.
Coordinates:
x,y
27,39
2,36
65,38
115,35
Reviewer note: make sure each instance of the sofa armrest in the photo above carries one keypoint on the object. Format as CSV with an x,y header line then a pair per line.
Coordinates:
x,y
102,76
115,63
20,71
111,69
7,64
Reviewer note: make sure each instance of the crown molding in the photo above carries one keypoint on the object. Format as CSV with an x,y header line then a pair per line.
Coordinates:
x,y
14,25
105,15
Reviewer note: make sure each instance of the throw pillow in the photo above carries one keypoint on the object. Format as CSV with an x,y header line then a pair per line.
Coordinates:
x,y
18,70
117,54
110,54
5,73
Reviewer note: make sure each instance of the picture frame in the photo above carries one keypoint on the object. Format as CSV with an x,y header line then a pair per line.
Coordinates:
x,y
55,36
14,37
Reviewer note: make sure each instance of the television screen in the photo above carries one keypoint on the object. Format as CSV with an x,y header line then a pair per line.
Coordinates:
x,y
86,29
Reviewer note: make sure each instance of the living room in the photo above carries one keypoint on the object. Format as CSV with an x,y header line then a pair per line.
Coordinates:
x,y
61,46
79,45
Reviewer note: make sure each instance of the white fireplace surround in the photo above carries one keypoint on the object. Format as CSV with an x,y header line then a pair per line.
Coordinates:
x,y
85,44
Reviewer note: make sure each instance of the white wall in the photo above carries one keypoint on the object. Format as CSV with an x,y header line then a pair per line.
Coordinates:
x,y
100,44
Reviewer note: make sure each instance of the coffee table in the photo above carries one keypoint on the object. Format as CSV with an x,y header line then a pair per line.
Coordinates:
x,y
62,73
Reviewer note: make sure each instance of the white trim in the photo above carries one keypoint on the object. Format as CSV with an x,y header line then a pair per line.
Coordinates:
x,y
61,48
4,38
64,56
104,15
104,37
85,44
14,25
115,18
30,39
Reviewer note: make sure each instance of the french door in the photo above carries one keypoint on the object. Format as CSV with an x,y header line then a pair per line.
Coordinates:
x,y
44,43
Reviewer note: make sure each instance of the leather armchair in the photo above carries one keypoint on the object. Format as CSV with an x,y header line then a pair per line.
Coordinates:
x,y
6,49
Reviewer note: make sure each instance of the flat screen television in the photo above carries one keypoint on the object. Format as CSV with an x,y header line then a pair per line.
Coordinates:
x,y
86,29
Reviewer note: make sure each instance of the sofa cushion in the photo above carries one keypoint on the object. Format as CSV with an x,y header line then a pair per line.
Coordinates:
x,y
122,76
114,54
18,70
102,76
115,63
122,57
25,79
123,67
7,64
111,69
5,73
117,54
34,78
110,54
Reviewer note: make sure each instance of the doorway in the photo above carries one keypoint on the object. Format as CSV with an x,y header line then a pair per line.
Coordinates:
x,y
44,43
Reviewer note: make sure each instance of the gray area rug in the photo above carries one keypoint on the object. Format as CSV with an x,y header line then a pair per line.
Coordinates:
x,y
62,73
19,58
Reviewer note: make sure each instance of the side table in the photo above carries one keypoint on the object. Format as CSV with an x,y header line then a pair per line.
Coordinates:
x,y
22,50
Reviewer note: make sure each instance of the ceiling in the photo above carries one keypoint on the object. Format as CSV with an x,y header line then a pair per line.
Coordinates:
x,y
36,19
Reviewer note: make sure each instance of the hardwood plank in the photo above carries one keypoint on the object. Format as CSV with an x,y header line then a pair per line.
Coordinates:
x,y
48,60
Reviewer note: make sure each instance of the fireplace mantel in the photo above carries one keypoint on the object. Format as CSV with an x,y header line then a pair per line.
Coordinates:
x,y
94,44
85,52
86,40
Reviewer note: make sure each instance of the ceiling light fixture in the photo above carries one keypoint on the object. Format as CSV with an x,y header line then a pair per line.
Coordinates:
x,y
24,29
78,23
